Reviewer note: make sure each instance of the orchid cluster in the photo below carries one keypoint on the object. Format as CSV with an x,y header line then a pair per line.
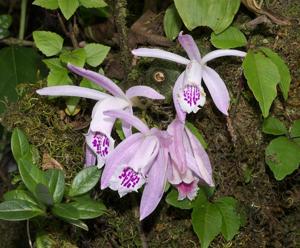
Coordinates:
x,y
151,157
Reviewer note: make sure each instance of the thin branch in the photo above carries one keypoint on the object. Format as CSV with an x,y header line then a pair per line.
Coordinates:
x,y
23,19
15,41
28,234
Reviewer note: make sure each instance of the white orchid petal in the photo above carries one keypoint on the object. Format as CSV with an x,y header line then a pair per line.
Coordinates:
x,y
222,53
190,46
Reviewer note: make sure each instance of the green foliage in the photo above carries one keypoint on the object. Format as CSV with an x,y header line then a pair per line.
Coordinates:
x,y
76,57
230,38
93,3
58,74
56,184
295,131
19,144
273,126
65,211
262,77
49,43
172,22
216,14
47,4
43,240
283,157
84,181
95,53
5,22
285,76
89,209
16,71
43,194
68,7
172,199
19,194
196,132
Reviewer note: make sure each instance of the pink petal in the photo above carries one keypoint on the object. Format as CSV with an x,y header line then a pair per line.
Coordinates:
x,y
70,90
99,79
154,188
222,53
120,156
187,190
160,54
217,89
126,127
143,91
178,84
90,158
190,46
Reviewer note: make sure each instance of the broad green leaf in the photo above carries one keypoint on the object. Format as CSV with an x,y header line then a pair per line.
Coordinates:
x,y
76,57
196,132
19,144
78,223
89,84
72,103
19,194
68,7
273,126
58,77
65,210
216,14
31,175
43,194
231,220
95,53
285,76
43,240
5,21
16,71
47,4
172,22
16,210
56,184
262,77
230,38
295,131
48,43
283,157
207,222
93,3
54,64
89,209
84,181
172,199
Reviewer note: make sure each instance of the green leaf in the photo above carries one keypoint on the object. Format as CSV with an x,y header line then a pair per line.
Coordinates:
x,y
207,222
216,14
262,77
16,210
273,126
68,7
16,71
119,130
19,144
172,199
93,3
54,64
285,75
65,210
196,132
72,103
172,22
85,180
43,240
78,223
231,220
89,209
283,157
56,184
230,38
76,57
95,53
30,174
89,84
48,43
18,194
43,194
47,4
5,21
58,77
295,131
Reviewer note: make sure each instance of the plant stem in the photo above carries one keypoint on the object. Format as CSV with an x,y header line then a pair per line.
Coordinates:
x,y
28,234
23,19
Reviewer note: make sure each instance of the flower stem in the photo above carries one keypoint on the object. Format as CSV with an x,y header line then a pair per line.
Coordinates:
x,y
23,19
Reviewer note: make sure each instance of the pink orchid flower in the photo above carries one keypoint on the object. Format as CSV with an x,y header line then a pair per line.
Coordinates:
x,y
189,163
141,158
98,139
188,94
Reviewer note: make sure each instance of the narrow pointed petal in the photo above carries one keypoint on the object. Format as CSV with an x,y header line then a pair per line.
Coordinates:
x,y
130,119
155,186
222,53
119,156
103,123
217,89
160,54
143,91
90,158
178,84
190,46
70,90
99,79
126,127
